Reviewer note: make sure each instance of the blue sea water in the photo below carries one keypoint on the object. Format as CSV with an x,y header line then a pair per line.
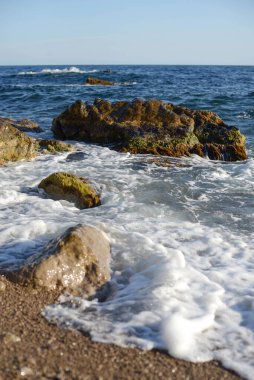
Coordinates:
x,y
182,237
42,92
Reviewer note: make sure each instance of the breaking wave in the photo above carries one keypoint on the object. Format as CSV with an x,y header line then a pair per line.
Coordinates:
x,y
66,70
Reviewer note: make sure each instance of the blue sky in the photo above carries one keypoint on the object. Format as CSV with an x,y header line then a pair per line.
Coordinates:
x,y
127,32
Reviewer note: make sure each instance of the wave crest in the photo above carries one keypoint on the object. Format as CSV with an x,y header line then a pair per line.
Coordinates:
x,y
66,70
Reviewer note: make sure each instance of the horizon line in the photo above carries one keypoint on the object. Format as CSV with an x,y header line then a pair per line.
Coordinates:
x,y
128,64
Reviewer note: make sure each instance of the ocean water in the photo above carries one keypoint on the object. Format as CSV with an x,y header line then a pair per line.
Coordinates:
x,y
182,237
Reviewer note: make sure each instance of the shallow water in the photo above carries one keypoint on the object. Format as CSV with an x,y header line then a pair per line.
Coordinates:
x,y
182,237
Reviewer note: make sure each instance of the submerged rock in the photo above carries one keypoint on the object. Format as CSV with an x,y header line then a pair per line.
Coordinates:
x,y
151,127
71,188
16,145
96,81
77,156
78,261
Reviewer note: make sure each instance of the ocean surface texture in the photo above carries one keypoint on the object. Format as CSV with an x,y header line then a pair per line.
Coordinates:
x,y
182,236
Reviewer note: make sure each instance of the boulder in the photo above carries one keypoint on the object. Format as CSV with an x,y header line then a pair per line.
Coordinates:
x,y
97,81
151,127
71,188
16,145
78,261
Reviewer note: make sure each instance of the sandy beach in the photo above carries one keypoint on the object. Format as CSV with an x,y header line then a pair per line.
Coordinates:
x,y
31,348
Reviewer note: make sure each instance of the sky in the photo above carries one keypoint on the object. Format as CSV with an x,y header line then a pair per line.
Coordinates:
x,y
127,32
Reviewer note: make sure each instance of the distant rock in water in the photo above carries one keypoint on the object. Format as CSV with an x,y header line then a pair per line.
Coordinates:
x,y
96,81
71,188
77,261
107,71
16,145
151,127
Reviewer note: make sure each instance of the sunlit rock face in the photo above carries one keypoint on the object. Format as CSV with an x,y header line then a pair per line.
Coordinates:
x,y
77,261
151,127
16,145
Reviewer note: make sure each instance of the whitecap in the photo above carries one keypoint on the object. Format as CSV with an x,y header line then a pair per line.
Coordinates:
x,y
67,70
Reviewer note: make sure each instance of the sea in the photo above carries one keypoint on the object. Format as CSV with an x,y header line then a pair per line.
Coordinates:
x,y
182,236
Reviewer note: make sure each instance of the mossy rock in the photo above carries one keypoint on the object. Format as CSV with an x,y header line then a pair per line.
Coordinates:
x,y
46,146
175,147
66,186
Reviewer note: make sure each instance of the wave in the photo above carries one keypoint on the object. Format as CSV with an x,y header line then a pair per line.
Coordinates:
x,y
67,70
248,114
127,83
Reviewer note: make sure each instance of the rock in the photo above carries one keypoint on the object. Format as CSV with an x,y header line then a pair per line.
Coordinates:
x,y
77,156
77,261
97,81
24,125
71,188
16,145
9,338
49,146
168,162
26,372
151,127
2,285
107,71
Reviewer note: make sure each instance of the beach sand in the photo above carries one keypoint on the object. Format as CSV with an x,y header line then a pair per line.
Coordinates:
x,y
32,348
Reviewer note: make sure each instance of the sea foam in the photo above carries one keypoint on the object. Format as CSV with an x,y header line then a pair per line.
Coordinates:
x,y
182,259
67,70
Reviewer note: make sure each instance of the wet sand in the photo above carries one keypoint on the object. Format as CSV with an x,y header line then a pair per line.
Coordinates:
x,y
32,348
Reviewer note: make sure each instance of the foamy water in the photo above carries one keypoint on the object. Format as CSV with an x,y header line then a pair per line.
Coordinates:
x,y
67,70
181,279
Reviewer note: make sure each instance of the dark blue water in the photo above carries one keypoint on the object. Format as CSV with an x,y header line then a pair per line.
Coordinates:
x,y
42,92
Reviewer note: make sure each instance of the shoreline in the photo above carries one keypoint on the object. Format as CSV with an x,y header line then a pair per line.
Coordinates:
x,y
32,348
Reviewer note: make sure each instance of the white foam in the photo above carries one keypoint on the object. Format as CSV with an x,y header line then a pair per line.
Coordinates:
x,y
182,250
67,70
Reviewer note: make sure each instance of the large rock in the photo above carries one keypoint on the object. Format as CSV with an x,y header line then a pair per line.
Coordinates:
x,y
78,261
71,188
96,81
153,127
16,145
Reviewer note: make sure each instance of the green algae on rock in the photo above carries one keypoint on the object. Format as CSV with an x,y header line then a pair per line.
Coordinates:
x,y
77,261
49,146
151,127
16,145
96,81
66,186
